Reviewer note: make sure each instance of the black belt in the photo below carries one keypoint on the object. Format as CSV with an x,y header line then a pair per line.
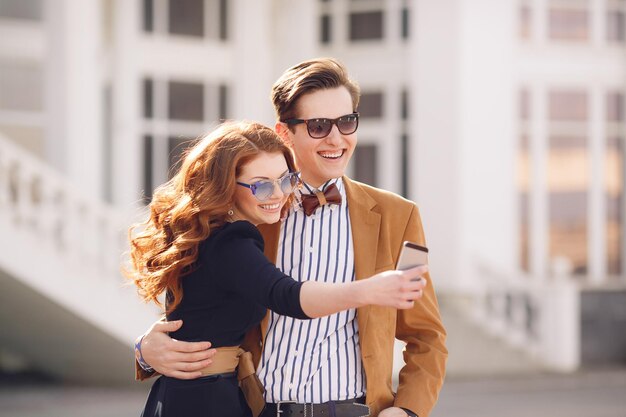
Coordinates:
x,y
344,408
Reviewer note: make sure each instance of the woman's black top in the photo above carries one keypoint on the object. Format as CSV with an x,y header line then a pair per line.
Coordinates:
x,y
231,288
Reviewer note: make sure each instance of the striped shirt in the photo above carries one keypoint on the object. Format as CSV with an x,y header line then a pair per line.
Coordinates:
x,y
319,360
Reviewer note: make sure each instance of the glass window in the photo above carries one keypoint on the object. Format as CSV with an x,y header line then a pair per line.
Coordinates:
x,y
186,17
371,105
148,103
21,86
365,167
148,15
366,25
223,102
568,24
404,19
404,173
21,9
223,22
615,177
615,107
568,106
568,174
186,101
325,28
176,151
615,26
148,183
404,105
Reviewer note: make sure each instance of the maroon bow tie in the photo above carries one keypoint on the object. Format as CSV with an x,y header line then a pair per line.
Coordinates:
x,y
312,201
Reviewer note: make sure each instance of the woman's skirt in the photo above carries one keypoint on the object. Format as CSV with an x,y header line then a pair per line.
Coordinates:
x,y
209,396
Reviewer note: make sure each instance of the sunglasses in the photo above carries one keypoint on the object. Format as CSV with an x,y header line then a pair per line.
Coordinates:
x,y
320,128
264,189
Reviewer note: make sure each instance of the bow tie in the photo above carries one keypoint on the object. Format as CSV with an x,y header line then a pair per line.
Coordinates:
x,y
312,201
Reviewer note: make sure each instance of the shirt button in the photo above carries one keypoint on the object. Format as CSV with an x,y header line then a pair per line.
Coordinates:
x,y
295,353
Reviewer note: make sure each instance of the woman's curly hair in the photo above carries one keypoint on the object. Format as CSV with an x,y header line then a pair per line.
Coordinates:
x,y
196,200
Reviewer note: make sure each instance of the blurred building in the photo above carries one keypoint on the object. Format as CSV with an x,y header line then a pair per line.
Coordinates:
x,y
504,120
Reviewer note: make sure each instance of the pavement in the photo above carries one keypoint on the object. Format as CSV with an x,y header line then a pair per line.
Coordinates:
x,y
591,393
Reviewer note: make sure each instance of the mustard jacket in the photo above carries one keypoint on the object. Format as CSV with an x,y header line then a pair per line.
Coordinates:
x,y
380,222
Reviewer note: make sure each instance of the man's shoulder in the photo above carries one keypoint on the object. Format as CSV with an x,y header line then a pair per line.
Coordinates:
x,y
382,197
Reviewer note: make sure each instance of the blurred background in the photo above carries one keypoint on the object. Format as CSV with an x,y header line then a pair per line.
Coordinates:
x,y
505,120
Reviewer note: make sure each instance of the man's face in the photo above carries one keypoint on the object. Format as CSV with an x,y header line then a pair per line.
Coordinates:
x,y
321,159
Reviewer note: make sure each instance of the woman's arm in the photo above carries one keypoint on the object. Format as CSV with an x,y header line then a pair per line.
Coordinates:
x,y
397,289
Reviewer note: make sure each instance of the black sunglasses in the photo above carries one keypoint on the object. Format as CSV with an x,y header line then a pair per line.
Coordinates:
x,y
320,128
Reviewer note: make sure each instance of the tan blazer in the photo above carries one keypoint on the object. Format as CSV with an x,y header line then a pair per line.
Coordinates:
x,y
380,222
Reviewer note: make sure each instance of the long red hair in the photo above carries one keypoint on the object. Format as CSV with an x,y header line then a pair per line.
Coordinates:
x,y
196,200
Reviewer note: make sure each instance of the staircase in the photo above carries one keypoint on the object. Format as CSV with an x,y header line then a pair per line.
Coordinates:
x,y
64,306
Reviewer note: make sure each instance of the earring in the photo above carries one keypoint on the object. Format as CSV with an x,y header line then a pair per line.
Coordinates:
x,y
230,212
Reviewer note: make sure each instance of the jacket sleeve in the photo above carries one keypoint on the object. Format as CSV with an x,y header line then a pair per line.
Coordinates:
x,y
422,330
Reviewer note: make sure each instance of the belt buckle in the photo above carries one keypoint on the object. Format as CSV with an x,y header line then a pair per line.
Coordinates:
x,y
279,403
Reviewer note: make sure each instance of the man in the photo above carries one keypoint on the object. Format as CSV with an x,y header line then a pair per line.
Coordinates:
x,y
344,360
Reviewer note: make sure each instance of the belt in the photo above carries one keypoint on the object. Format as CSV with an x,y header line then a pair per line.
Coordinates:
x,y
225,360
344,408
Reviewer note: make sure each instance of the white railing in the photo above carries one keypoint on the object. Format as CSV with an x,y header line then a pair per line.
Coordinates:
x,y
539,318
40,202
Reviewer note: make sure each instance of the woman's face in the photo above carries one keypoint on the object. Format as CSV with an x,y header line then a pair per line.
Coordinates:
x,y
264,167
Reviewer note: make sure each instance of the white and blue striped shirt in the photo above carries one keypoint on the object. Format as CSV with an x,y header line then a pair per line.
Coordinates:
x,y
319,360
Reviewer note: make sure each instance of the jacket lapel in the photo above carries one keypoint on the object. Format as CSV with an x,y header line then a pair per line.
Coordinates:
x,y
365,225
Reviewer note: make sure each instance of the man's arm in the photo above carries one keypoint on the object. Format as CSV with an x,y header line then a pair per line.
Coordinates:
x,y
171,357
425,354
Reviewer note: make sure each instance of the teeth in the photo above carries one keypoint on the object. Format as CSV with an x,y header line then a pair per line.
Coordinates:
x,y
270,206
335,154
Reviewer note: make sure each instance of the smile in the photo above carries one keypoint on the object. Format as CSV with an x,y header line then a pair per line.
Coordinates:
x,y
332,155
270,206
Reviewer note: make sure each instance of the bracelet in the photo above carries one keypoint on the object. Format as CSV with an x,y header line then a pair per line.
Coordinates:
x,y
139,357
409,412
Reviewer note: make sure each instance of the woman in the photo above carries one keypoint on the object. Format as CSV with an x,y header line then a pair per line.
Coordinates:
x,y
201,248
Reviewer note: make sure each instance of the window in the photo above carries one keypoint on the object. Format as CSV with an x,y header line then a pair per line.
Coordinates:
x,y
148,183
568,179
186,101
404,168
223,20
404,23
325,29
223,102
148,15
371,105
186,17
176,151
22,9
615,26
615,177
366,25
175,111
523,180
148,91
404,105
568,23
568,106
192,18
365,167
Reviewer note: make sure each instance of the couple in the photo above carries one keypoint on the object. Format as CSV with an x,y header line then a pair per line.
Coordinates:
x,y
326,346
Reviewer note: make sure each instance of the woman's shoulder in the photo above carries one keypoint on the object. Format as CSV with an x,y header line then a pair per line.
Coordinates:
x,y
238,230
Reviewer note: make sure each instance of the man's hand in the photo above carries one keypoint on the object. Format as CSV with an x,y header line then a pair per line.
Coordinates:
x,y
393,412
174,358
